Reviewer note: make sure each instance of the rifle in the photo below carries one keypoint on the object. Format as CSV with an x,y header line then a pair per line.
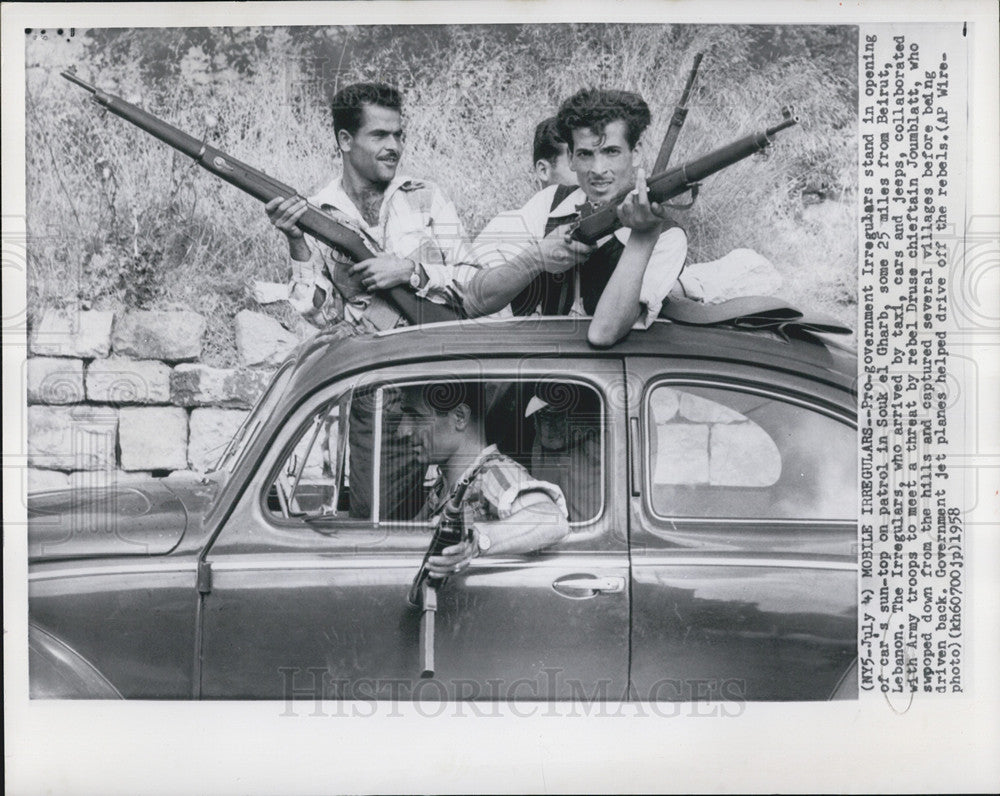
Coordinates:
x,y
677,120
324,228
666,185
423,590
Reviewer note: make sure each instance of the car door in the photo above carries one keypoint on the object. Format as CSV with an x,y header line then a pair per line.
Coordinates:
x,y
308,602
744,533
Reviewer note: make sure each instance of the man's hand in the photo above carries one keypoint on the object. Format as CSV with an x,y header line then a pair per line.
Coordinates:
x,y
559,252
637,213
285,215
383,271
454,559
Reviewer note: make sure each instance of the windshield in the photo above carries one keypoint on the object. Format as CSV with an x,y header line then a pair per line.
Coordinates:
x,y
265,404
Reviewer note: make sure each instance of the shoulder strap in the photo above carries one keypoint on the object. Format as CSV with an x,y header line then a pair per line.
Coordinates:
x,y
561,192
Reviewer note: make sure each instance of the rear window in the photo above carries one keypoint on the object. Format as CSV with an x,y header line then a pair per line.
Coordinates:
x,y
715,452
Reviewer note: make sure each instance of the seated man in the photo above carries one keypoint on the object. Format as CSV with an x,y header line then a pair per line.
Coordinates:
x,y
510,512
567,452
532,264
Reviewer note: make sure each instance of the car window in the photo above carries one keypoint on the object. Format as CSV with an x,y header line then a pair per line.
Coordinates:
x,y
314,479
728,453
554,429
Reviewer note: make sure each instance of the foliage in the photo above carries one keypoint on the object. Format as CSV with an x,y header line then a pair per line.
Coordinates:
x,y
119,220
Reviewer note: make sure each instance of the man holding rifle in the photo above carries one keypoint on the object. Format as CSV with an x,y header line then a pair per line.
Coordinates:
x,y
622,281
411,221
423,249
510,511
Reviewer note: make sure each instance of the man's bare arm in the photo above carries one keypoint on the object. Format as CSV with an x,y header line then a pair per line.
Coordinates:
x,y
618,307
492,289
531,528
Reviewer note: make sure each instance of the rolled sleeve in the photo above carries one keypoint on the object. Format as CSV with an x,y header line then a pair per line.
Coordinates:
x,y
307,276
661,274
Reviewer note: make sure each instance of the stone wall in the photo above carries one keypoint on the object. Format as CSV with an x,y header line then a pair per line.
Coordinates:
x,y
124,394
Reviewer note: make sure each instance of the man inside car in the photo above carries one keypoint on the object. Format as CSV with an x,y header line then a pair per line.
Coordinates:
x,y
508,511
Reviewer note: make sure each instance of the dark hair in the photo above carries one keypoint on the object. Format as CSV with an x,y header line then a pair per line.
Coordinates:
x,y
443,396
348,104
596,107
548,143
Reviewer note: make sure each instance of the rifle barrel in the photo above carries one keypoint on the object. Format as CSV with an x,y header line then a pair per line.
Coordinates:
x,y
676,181
72,78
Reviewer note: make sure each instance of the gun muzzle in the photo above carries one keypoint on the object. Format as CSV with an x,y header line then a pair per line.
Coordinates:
x,y
72,78
789,120
429,609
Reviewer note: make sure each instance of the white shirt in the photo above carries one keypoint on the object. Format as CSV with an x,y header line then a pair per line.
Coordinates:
x,y
415,220
513,231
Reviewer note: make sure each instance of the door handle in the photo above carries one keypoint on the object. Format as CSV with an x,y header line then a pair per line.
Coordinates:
x,y
580,587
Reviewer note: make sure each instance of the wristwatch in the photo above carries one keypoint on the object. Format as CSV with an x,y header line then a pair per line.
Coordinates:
x,y
415,276
483,541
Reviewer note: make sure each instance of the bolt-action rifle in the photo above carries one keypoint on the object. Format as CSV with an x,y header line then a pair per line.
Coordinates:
x,y
324,228
603,220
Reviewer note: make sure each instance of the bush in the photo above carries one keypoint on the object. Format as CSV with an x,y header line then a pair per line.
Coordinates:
x,y
119,220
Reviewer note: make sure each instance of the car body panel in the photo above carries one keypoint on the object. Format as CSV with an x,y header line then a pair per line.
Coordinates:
x,y
752,608
115,520
56,671
133,619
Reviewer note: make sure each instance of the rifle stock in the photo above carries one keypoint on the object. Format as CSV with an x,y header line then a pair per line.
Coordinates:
x,y
677,181
259,185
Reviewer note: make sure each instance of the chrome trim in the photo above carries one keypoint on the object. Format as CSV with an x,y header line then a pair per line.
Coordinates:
x,y
377,457
110,568
660,560
351,561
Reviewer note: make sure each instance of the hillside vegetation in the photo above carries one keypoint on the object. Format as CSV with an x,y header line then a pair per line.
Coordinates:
x,y
118,220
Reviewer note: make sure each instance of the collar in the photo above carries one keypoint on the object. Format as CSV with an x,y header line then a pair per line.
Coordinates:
x,y
568,207
489,450
333,194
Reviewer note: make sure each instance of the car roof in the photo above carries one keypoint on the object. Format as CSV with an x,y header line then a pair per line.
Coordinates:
x,y
325,357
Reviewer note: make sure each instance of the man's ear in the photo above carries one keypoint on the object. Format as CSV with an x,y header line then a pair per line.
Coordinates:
x,y
543,170
344,139
461,415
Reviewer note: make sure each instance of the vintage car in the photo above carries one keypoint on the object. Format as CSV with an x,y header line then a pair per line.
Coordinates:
x,y
711,554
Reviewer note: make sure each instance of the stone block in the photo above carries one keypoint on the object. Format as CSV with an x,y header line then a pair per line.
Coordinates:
x,y
171,336
120,380
44,480
153,438
696,409
210,433
54,380
72,438
72,333
664,402
201,385
261,340
742,454
681,454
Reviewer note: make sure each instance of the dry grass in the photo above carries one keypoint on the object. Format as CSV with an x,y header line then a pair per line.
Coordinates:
x,y
118,220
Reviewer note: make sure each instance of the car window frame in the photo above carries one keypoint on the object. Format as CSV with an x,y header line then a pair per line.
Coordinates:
x,y
605,419
791,396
